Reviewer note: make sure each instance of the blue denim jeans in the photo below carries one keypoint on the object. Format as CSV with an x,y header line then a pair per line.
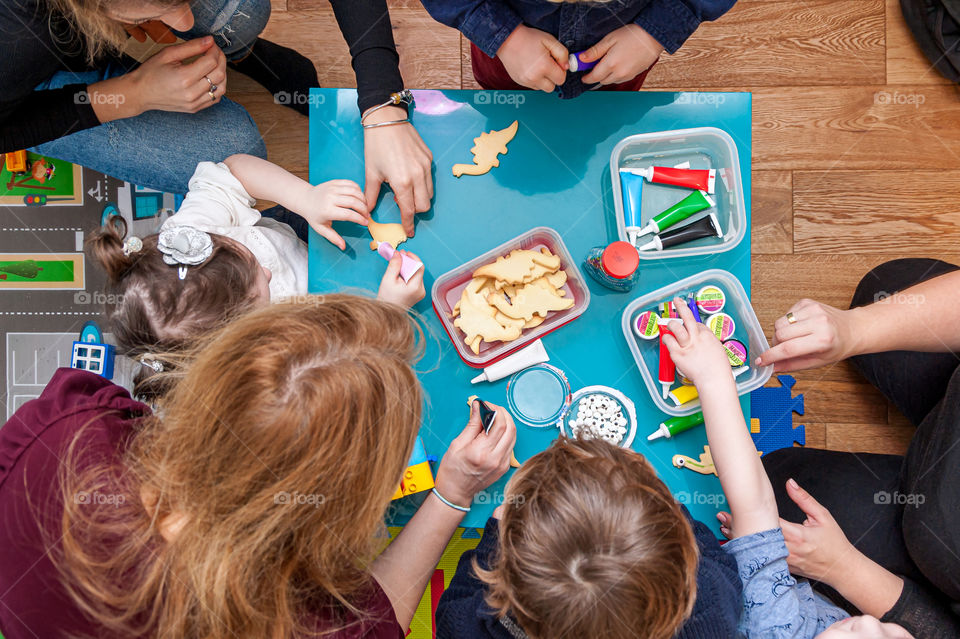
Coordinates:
x,y
161,149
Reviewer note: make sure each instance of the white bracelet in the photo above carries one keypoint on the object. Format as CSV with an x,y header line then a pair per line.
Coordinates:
x,y
450,503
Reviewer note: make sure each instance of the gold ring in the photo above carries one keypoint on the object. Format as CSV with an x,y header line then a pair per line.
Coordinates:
x,y
213,98
791,318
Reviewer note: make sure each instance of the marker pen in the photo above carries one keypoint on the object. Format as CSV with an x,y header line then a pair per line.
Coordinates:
x,y
693,203
666,370
704,227
676,425
700,179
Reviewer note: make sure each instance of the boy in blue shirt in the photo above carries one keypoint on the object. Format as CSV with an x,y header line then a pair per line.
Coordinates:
x,y
520,44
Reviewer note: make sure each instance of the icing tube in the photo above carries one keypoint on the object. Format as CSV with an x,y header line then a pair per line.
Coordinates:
x,y
704,227
535,353
666,370
676,425
700,179
631,186
692,304
693,203
408,265
577,64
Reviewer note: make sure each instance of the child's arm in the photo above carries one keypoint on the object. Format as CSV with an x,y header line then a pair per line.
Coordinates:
x,y
701,357
319,205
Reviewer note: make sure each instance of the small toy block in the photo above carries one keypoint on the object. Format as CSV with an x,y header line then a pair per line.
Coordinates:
x,y
417,477
754,425
772,409
91,354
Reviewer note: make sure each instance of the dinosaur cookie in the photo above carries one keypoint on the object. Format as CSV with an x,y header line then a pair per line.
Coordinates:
x,y
530,300
519,267
486,149
391,233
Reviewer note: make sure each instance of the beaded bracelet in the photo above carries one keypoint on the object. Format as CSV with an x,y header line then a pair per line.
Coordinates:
x,y
450,503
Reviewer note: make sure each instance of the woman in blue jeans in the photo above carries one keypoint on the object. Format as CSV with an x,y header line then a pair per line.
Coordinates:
x,y
903,512
67,92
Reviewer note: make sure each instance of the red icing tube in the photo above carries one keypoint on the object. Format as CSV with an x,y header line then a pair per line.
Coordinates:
x,y
700,179
667,370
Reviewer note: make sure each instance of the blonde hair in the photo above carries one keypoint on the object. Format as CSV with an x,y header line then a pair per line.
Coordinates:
x,y
592,544
91,25
275,457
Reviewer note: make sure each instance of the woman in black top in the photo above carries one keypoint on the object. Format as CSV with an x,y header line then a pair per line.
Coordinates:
x,y
66,92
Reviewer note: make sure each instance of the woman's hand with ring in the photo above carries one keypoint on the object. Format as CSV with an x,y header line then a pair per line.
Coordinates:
x,y
819,335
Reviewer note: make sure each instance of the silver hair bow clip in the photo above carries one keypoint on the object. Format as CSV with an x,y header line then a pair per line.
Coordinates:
x,y
184,246
131,245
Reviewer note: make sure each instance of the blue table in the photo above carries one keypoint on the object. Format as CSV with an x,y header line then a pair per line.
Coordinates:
x,y
555,174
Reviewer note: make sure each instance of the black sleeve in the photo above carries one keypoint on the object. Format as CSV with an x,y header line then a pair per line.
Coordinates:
x,y
366,27
923,613
31,55
462,612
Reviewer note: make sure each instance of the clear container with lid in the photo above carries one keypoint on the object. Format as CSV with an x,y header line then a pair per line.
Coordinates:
x,y
615,266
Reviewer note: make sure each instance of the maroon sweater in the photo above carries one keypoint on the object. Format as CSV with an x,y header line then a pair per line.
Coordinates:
x,y
33,601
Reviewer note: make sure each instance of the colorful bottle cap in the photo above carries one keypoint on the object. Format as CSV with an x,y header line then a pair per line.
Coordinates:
x,y
721,325
620,260
736,352
710,299
645,325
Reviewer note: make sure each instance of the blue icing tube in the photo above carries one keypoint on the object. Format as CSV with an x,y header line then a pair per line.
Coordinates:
x,y
631,186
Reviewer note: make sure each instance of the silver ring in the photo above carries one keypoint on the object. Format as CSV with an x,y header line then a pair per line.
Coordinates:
x,y
791,318
213,87
213,98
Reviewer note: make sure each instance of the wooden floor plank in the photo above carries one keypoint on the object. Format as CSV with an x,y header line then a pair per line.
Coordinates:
x,y
856,127
855,438
888,212
816,42
906,64
771,212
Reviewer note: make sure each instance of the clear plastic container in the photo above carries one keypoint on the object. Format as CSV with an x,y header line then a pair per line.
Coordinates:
x,y
448,287
703,148
748,330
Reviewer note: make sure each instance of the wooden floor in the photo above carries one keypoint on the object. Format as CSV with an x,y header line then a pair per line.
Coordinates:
x,y
856,152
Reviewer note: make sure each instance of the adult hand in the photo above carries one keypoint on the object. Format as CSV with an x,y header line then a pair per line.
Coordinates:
x,y
398,156
320,205
623,53
534,58
864,627
394,289
694,348
820,335
476,459
165,82
818,548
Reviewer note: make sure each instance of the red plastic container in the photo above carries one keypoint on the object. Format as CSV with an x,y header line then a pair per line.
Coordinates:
x,y
448,287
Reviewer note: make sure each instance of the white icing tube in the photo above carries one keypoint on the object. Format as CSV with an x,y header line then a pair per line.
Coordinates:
x,y
526,357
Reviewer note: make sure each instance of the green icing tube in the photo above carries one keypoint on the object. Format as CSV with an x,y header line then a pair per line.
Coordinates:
x,y
693,203
675,425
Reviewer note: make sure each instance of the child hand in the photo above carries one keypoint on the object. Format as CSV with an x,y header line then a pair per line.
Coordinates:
x,y
694,349
864,627
624,54
394,289
320,205
818,545
476,459
534,58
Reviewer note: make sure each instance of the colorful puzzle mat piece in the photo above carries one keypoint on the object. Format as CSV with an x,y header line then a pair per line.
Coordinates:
x,y
772,416
464,539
